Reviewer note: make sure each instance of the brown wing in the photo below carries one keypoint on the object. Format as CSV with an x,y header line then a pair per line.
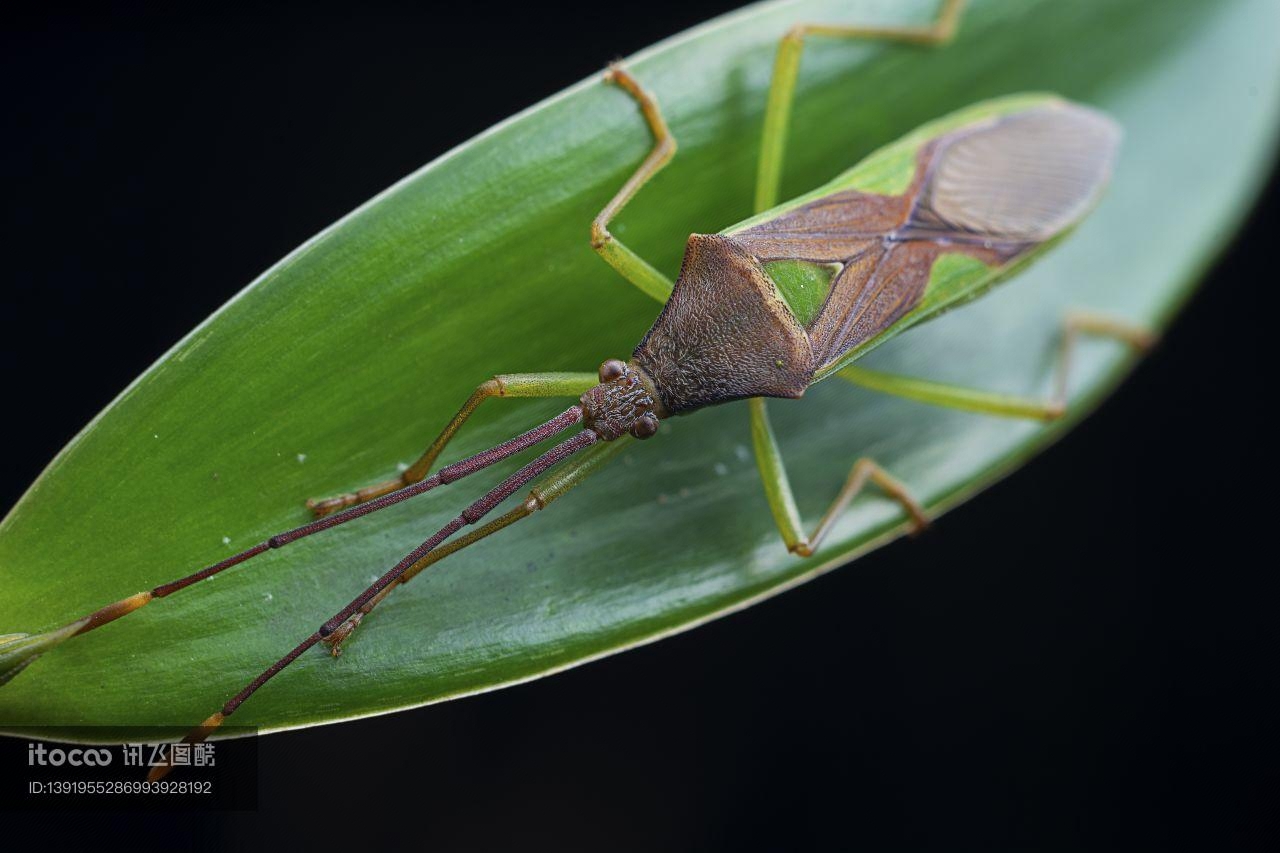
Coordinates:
x,y
994,191
833,228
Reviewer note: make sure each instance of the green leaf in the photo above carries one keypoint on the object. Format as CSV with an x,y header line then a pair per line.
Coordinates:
x,y
345,358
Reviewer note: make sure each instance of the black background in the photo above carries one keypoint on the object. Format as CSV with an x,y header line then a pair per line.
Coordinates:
x,y
1100,676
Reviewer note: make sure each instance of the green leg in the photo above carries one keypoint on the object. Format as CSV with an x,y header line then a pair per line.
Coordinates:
x,y
777,488
508,385
1004,405
540,497
787,66
631,266
773,141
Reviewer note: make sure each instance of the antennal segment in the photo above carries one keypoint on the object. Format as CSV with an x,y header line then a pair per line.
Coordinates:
x,y
17,651
473,513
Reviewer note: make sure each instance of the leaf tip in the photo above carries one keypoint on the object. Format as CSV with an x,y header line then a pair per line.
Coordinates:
x,y
18,651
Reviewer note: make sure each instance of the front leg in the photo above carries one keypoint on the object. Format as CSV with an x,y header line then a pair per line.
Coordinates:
x,y
629,265
508,385
777,489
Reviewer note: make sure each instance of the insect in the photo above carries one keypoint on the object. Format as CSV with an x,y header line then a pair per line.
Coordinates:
x,y
765,308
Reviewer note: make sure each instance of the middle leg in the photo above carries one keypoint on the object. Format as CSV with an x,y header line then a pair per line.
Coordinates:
x,y
787,67
777,116
782,502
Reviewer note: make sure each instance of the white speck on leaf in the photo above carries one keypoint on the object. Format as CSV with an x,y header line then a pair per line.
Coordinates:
x,y
742,452
302,457
721,469
266,596
401,467
226,540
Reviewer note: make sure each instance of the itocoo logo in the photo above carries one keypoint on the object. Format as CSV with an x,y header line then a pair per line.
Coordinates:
x,y
38,754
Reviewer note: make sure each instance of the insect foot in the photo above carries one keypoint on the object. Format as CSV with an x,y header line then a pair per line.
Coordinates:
x,y
328,506
622,403
342,633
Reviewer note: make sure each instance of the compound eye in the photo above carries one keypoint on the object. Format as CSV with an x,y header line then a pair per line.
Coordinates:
x,y
645,426
612,369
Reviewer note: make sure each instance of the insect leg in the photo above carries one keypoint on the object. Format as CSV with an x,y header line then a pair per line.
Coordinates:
x,y
777,488
787,66
508,385
540,496
631,266
1004,405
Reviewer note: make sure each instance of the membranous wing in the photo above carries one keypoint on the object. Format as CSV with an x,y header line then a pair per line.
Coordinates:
x,y
853,264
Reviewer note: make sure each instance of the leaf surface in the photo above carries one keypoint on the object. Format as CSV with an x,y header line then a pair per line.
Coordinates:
x,y
346,357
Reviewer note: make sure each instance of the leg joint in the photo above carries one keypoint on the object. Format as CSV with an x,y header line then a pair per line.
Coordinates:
x,y
801,549
600,236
